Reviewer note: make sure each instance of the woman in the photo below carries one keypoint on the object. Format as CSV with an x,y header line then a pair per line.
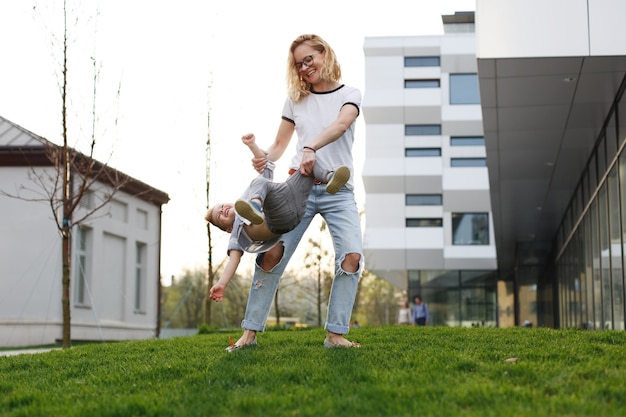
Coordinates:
x,y
404,314
322,112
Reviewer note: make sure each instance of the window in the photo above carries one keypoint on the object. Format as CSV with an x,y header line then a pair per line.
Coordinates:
x,y
86,200
422,83
83,259
412,152
470,228
424,200
464,89
422,130
467,141
468,162
421,61
140,276
142,219
424,222
118,210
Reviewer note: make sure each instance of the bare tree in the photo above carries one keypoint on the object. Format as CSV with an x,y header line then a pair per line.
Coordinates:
x,y
194,301
378,301
74,178
314,260
210,273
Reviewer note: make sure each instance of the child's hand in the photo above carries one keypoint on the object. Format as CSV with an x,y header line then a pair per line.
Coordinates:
x,y
259,155
217,292
248,139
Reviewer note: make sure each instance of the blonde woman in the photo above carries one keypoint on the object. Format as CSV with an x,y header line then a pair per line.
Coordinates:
x,y
321,111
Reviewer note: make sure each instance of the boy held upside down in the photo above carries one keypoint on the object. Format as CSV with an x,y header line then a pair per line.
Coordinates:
x,y
266,211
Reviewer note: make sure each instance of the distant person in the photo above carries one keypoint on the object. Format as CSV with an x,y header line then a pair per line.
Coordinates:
x,y
404,314
266,211
420,312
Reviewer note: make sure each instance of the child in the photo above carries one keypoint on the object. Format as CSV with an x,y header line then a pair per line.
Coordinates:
x,y
266,211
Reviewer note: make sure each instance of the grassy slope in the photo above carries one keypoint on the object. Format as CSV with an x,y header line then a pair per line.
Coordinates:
x,y
399,371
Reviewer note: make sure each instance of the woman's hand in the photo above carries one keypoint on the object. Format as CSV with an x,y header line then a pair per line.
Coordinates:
x,y
259,164
308,161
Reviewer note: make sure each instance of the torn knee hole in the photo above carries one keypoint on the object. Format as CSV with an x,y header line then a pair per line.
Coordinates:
x,y
271,258
351,262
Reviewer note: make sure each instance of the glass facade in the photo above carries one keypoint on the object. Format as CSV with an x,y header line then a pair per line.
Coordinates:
x,y
423,199
468,162
421,83
418,152
470,228
590,243
426,222
464,89
467,141
422,130
456,298
422,61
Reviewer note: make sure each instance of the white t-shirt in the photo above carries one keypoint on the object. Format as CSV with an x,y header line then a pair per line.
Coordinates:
x,y
314,114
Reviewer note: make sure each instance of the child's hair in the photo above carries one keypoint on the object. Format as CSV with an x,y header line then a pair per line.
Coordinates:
x,y
209,218
296,86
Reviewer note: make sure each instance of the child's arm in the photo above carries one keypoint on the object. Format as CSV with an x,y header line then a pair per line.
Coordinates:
x,y
249,140
216,293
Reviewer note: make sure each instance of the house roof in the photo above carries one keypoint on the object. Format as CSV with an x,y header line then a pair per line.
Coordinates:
x,y
20,147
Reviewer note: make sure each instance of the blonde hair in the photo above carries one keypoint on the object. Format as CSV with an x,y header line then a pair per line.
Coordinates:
x,y
297,88
209,218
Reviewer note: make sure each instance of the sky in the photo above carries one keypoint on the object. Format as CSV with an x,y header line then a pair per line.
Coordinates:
x,y
171,73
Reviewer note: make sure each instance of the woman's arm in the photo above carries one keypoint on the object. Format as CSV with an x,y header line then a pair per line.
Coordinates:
x,y
334,131
347,116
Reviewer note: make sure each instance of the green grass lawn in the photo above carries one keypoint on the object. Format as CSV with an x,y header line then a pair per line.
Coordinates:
x,y
399,371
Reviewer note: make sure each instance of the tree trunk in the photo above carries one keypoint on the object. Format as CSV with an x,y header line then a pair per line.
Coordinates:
x,y
65,299
276,309
319,293
66,169
207,302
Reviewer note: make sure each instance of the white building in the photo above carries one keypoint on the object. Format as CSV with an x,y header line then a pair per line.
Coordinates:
x,y
115,276
429,227
552,77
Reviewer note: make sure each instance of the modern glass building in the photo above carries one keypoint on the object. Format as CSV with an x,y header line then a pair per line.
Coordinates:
x,y
552,79
548,132
429,225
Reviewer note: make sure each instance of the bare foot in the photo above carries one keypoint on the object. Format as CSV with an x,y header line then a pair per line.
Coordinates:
x,y
337,340
247,338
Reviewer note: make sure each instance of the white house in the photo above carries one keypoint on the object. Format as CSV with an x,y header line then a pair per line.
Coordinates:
x,y
115,273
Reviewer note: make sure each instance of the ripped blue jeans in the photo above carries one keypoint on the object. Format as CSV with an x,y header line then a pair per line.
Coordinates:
x,y
342,217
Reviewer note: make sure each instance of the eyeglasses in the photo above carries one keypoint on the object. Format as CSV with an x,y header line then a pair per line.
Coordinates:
x,y
308,61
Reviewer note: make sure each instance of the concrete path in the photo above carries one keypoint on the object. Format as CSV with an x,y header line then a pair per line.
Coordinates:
x,y
23,351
